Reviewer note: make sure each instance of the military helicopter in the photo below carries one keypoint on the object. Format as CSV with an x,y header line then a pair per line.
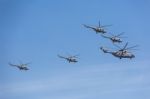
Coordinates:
x,y
114,38
70,59
121,53
98,29
20,66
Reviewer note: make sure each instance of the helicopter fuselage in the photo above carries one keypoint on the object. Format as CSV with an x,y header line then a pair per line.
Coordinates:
x,y
23,68
124,54
72,60
115,39
120,54
99,30
69,59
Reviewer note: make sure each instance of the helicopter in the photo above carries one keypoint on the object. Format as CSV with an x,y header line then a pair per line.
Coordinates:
x,y
98,29
70,59
122,52
20,66
114,38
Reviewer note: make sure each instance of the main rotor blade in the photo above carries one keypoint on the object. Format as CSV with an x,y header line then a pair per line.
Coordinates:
x,y
119,34
111,34
88,26
105,36
123,37
125,46
75,56
117,46
99,24
13,64
132,47
27,64
61,56
106,25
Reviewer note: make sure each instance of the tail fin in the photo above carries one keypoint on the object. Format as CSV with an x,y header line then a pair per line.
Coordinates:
x,y
86,26
104,50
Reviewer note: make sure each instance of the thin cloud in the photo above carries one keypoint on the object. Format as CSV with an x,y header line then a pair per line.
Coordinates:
x,y
86,80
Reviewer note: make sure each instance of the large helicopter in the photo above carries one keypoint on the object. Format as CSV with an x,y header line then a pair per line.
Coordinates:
x,y
98,29
70,59
114,38
20,66
122,52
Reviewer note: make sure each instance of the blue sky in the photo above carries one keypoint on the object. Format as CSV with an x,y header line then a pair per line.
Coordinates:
x,y
37,30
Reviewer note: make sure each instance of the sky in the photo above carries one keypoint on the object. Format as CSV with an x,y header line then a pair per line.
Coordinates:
x,y
37,31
